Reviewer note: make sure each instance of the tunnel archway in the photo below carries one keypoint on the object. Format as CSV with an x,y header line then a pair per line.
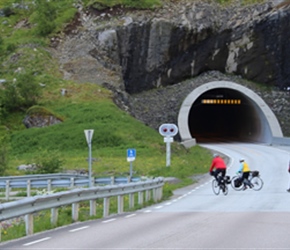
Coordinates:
x,y
226,111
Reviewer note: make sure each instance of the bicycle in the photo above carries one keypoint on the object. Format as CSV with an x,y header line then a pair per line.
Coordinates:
x,y
222,186
254,179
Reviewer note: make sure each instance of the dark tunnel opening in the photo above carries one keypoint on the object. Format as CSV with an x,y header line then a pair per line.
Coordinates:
x,y
223,114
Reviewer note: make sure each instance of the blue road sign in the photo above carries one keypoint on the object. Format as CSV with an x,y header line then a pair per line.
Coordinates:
x,y
131,154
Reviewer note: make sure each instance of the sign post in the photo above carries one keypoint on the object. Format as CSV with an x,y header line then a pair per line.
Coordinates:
x,y
89,135
168,130
131,156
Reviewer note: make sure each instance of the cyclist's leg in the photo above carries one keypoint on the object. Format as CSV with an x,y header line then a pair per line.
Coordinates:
x,y
218,176
243,181
246,179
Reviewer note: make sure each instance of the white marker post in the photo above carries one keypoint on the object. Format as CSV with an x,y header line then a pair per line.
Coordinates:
x,y
168,130
89,135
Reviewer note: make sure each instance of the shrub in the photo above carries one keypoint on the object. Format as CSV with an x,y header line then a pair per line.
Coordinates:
x,y
44,17
48,162
20,94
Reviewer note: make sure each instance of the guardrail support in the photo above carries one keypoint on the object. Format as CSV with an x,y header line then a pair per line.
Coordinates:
x,y
49,185
54,216
147,195
155,194
7,189
72,182
112,180
28,188
140,198
106,207
92,207
131,200
120,204
75,211
29,224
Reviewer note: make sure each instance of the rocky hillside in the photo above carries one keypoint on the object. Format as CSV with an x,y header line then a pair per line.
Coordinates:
x,y
153,59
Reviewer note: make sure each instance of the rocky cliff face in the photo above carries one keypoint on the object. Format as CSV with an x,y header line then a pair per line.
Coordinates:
x,y
133,52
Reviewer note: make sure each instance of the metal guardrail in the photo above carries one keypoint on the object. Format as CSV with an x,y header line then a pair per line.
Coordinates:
x,y
30,205
50,181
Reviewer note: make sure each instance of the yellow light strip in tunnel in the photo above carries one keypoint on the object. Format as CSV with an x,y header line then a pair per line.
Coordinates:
x,y
221,101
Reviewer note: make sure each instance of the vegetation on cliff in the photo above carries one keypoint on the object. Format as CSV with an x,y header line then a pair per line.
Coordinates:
x,y
31,78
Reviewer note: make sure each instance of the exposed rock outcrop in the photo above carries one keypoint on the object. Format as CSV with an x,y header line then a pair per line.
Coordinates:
x,y
145,53
173,49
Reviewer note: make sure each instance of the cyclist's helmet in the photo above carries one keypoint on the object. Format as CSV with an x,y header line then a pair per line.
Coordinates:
x,y
215,155
242,159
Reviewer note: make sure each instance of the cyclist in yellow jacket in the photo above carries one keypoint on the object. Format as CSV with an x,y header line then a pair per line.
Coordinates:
x,y
245,170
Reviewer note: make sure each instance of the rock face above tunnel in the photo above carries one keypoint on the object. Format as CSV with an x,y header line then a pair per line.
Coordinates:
x,y
168,47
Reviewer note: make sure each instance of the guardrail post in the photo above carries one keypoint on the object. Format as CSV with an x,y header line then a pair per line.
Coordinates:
x,y
92,207
28,188
7,190
147,195
106,207
72,182
49,185
140,198
75,211
29,224
54,216
112,180
120,204
155,194
160,193
131,200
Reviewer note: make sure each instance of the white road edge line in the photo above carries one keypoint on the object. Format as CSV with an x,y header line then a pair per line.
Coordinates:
x,y
78,229
130,215
106,221
37,241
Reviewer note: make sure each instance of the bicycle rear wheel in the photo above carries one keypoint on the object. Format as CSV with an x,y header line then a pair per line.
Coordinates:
x,y
215,187
257,183
233,184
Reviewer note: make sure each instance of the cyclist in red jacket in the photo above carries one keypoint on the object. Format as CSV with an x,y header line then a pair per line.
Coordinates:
x,y
217,166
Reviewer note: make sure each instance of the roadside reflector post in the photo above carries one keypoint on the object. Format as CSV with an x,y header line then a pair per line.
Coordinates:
x,y
168,130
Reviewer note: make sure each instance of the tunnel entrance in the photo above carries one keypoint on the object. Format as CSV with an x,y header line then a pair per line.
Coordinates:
x,y
226,112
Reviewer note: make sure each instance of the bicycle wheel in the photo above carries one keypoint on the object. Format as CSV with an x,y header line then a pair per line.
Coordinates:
x,y
257,183
215,187
233,184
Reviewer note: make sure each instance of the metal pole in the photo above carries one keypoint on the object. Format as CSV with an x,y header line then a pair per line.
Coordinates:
x,y
131,170
90,161
168,152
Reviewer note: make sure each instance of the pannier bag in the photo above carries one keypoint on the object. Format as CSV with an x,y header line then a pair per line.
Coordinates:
x,y
255,173
237,182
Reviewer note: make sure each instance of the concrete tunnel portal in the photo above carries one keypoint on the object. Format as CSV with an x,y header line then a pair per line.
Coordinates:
x,y
223,111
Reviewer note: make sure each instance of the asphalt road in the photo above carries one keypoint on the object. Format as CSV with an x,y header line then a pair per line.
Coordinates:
x,y
194,218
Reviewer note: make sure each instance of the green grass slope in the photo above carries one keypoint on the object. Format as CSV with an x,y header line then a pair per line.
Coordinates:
x,y
85,106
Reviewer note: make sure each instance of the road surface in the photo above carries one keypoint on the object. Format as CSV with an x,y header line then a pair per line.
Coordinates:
x,y
194,218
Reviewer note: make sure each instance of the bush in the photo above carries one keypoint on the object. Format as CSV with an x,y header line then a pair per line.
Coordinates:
x,y
48,162
45,15
20,94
